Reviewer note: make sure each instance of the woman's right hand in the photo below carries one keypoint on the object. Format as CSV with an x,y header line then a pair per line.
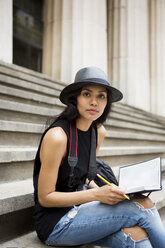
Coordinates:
x,y
109,194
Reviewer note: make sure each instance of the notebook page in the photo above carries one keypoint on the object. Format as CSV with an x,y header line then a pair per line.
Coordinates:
x,y
142,175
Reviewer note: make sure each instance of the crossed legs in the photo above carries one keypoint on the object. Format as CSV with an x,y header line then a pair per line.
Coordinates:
x,y
103,225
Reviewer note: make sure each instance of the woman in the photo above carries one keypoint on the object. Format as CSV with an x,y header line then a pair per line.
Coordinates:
x,y
100,215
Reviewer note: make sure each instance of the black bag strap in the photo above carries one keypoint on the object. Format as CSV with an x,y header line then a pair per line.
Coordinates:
x,y
92,160
72,156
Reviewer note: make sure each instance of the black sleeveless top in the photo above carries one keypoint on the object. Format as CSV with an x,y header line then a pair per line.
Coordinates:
x,y
46,218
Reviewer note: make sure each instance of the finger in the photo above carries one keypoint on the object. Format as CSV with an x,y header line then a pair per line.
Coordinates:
x,y
116,197
118,191
113,202
118,188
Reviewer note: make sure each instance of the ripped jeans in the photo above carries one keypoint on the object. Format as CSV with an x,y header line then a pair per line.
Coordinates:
x,y
101,225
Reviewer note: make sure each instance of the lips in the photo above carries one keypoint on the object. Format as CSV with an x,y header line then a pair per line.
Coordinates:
x,y
92,111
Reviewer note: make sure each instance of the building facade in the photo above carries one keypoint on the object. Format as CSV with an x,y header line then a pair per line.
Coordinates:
x,y
126,38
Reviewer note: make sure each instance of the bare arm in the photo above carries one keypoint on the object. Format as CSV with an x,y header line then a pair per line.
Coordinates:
x,y
101,134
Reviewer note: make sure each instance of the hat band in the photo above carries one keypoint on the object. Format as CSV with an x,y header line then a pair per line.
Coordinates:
x,y
95,80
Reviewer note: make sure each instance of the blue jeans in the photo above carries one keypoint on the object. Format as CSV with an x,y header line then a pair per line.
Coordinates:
x,y
100,224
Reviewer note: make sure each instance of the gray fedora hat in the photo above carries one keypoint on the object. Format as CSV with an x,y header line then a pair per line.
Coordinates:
x,y
90,76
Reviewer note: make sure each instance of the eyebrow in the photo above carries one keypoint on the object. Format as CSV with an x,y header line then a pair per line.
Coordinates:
x,y
100,91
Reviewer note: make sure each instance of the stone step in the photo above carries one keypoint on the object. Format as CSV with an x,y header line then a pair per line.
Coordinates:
x,y
20,158
122,155
26,134
45,101
114,138
31,240
131,150
16,209
16,171
134,136
18,77
46,96
139,112
136,117
15,111
129,108
18,87
10,154
16,163
29,86
26,75
120,125
15,126
17,195
29,134
25,96
29,75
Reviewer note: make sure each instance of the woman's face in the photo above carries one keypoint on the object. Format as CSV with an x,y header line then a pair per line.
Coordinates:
x,y
91,102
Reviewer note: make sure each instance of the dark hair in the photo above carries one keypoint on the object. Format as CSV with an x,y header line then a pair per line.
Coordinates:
x,y
71,112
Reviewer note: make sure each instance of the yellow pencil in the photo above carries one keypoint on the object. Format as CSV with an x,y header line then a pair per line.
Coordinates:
x,y
111,185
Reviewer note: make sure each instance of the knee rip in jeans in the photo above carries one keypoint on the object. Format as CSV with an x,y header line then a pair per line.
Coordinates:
x,y
140,206
129,237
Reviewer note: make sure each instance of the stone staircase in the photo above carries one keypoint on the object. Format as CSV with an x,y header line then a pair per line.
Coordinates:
x,y
27,99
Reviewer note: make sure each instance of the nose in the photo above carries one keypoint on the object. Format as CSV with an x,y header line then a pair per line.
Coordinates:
x,y
94,101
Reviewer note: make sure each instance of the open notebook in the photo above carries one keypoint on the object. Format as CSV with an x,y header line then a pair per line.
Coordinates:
x,y
142,177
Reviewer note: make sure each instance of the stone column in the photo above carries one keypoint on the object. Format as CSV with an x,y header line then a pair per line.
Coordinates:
x,y
75,36
128,55
51,64
157,55
6,27
117,44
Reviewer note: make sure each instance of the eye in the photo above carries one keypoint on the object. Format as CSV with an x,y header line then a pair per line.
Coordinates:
x,y
102,96
86,94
